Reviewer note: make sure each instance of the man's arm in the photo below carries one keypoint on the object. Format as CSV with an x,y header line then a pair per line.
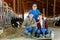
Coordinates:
x,y
35,24
24,23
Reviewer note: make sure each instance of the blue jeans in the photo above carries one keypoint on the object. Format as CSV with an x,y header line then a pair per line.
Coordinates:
x,y
29,29
41,31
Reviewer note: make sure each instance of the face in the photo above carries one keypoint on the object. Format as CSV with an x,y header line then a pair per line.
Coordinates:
x,y
34,7
31,15
40,16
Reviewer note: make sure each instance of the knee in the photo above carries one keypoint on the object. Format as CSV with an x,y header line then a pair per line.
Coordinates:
x,y
35,28
38,31
25,32
29,28
49,31
43,30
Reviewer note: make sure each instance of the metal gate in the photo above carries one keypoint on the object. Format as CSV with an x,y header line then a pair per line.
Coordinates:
x,y
8,14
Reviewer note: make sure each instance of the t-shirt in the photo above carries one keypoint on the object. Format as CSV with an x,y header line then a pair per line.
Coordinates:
x,y
35,13
41,23
27,22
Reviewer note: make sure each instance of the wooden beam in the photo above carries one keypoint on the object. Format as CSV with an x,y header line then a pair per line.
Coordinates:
x,y
24,6
18,6
43,9
14,5
42,4
57,6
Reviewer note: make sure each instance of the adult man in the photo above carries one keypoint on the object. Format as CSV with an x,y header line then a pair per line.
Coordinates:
x,y
34,11
29,24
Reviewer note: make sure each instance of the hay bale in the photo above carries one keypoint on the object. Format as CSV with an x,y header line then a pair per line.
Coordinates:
x,y
3,35
10,30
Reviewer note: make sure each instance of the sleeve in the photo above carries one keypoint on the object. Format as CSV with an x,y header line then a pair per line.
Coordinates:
x,y
29,13
38,11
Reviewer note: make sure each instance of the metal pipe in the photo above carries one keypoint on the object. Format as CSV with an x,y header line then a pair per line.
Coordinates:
x,y
2,13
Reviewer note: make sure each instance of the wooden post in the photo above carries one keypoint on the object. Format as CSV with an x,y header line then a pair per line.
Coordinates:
x,y
54,11
18,6
14,5
54,7
47,9
44,11
22,9
42,6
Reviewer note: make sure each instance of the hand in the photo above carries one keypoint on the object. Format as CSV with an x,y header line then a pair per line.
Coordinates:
x,y
34,25
23,26
38,22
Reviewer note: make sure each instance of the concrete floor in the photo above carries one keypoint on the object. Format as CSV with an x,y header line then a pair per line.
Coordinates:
x,y
55,30
56,33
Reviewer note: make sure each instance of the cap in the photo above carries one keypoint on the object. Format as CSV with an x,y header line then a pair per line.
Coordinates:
x,y
34,5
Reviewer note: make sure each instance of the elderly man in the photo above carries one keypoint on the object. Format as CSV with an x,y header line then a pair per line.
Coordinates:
x,y
29,24
34,11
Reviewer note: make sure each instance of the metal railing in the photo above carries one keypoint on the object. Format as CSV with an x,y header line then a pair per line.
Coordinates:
x,y
8,14
0,16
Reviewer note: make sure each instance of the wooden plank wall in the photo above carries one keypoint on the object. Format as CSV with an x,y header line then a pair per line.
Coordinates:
x,y
27,5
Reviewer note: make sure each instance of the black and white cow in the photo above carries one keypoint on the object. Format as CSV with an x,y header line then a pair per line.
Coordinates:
x,y
16,22
57,23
